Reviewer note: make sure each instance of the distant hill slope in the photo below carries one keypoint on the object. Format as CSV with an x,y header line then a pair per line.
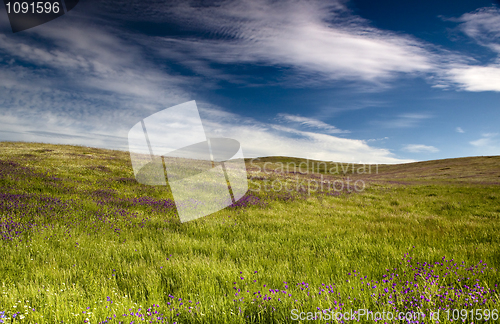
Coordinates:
x,y
481,169
484,169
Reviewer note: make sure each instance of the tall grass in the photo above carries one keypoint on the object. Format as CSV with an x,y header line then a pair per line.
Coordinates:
x,y
82,241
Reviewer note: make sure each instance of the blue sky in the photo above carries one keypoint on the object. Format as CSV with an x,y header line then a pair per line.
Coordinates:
x,y
350,81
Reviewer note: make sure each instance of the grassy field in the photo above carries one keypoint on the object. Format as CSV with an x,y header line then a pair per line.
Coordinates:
x,y
83,242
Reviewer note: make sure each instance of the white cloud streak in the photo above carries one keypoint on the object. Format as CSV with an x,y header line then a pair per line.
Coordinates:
x,y
475,78
420,148
88,85
488,140
322,42
320,39
483,26
268,139
403,121
311,122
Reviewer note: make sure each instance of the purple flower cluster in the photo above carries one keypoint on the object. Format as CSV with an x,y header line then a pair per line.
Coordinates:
x,y
13,171
413,287
248,200
109,197
22,212
175,307
156,205
443,284
26,210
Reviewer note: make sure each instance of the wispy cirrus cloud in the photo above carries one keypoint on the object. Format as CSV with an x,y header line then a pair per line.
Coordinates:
x,y
483,26
419,148
489,141
318,42
377,139
94,59
488,144
80,81
311,123
317,39
403,120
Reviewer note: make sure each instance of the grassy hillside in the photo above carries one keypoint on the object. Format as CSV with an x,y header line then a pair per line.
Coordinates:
x,y
83,242
484,169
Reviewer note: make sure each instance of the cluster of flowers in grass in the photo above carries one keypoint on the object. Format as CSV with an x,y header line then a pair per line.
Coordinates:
x,y
174,311
413,287
18,313
109,197
248,200
22,211
443,284
14,171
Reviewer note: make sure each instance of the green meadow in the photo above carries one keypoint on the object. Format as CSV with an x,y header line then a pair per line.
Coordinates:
x,y
83,242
